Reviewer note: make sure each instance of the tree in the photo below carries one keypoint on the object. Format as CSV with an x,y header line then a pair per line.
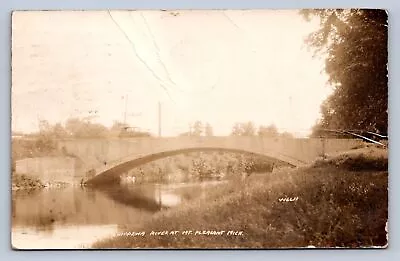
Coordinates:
x,y
85,129
184,134
208,130
95,130
355,44
197,128
287,135
236,129
270,131
134,133
73,126
44,127
44,142
117,129
244,129
58,131
249,129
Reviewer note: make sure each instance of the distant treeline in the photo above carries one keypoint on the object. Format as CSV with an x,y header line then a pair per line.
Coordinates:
x,y
199,128
81,128
84,128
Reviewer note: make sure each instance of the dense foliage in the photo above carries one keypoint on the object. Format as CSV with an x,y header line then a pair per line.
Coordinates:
x,y
354,43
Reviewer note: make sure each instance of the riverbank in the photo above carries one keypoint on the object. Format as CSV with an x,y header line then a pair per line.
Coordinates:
x,y
337,202
26,182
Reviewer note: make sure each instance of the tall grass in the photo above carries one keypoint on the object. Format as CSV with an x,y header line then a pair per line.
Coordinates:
x,y
368,159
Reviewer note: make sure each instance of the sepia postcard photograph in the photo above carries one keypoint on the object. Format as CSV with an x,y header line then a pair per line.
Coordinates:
x,y
199,129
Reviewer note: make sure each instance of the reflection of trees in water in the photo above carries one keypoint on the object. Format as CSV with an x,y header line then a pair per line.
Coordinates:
x,y
21,195
13,207
43,208
77,204
25,193
80,207
137,197
91,194
44,223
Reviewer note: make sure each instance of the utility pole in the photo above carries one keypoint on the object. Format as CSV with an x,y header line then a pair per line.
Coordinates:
x,y
159,119
126,108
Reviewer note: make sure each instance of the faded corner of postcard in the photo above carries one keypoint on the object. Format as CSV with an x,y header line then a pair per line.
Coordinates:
x,y
230,129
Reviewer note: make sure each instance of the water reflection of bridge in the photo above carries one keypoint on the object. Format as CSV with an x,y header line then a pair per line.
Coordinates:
x,y
76,206
112,205
149,197
56,218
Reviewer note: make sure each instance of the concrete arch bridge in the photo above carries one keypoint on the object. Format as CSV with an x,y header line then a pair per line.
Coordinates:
x,y
103,160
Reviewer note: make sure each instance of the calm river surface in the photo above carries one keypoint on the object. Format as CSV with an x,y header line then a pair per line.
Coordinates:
x,y
76,217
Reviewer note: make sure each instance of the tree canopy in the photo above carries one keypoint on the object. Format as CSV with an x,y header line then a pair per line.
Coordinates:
x,y
243,129
354,42
250,129
197,128
208,130
81,128
269,131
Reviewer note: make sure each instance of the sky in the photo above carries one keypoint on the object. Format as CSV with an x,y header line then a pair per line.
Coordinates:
x,y
220,67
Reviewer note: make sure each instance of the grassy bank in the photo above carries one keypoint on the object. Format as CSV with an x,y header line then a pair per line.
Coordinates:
x,y
340,204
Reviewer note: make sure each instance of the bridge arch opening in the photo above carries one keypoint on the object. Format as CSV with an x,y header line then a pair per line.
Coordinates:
x,y
112,174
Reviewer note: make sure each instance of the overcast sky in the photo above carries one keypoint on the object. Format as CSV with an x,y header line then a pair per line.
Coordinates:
x,y
219,67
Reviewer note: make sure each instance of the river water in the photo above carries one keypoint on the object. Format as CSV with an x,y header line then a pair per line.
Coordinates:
x,y
76,217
